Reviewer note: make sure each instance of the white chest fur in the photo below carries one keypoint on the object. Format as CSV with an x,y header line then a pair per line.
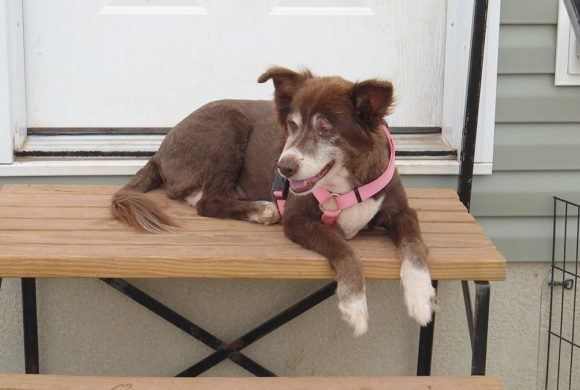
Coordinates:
x,y
354,218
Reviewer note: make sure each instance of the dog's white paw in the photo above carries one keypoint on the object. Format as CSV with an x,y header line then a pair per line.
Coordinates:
x,y
418,293
193,198
266,215
355,313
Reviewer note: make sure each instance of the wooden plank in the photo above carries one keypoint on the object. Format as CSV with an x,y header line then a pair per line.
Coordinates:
x,y
95,189
268,239
33,196
175,213
286,262
194,224
73,213
53,382
380,252
104,201
445,216
431,193
425,193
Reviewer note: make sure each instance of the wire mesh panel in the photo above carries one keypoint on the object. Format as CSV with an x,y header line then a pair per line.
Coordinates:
x,y
562,369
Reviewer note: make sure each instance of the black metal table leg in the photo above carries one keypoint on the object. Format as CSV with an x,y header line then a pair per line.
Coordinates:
x,y
425,355
468,309
29,322
481,319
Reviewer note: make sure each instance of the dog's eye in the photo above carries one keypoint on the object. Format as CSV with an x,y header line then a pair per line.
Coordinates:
x,y
322,124
292,126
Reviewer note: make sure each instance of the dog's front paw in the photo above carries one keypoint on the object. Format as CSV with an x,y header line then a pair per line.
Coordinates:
x,y
267,214
355,313
418,293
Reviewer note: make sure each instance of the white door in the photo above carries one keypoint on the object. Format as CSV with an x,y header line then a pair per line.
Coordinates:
x,y
139,63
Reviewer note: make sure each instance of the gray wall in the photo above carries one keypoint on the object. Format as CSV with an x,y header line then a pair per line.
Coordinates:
x,y
88,328
537,136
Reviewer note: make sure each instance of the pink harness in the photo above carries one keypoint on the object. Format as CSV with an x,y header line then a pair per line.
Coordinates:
x,y
358,195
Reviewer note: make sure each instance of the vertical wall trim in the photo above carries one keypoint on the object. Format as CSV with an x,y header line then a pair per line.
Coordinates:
x,y
12,80
457,48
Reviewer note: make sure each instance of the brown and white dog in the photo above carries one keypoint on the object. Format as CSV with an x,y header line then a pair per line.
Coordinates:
x,y
222,157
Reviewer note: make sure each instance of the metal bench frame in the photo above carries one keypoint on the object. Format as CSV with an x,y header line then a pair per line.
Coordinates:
x,y
477,317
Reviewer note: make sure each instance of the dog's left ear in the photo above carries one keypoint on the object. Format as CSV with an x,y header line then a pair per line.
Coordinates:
x,y
286,84
372,100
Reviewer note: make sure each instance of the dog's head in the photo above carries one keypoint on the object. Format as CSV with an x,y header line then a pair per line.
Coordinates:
x,y
329,122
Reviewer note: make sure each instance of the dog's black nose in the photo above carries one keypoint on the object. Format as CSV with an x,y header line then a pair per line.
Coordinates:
x,y
288,166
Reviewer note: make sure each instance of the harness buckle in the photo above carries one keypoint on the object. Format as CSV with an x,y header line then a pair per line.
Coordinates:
x,y
337,211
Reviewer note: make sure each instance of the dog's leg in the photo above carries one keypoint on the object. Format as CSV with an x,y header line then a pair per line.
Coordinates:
x,y
419,294
262,212
351,292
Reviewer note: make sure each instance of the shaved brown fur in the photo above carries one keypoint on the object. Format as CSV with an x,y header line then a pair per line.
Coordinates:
x,y
222,159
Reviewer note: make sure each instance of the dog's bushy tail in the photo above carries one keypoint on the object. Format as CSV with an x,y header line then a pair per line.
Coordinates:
x,y
131,206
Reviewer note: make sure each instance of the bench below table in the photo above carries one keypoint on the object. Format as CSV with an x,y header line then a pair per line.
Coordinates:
x,y
57,382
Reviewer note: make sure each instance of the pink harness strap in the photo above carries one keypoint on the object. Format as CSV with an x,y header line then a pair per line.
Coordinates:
x,y
358,195
280,201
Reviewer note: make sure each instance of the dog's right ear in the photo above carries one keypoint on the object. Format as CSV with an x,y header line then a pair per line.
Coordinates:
x,y
372,100
286,84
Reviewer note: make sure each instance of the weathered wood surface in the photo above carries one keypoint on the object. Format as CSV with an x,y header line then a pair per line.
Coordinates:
x,y
53,382
67,231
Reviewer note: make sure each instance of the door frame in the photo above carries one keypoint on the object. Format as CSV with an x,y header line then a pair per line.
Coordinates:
x,y
457,49
12,80
457,45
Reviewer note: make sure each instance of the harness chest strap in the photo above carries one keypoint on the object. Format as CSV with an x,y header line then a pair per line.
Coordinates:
x,y
349,199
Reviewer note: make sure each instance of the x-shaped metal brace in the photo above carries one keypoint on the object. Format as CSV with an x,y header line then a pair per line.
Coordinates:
x,y
477,320
222,349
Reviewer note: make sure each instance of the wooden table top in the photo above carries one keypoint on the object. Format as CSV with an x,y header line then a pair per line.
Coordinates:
x,y
68,231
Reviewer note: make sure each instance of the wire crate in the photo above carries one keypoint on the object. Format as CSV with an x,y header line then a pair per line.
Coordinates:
x,y
562,369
